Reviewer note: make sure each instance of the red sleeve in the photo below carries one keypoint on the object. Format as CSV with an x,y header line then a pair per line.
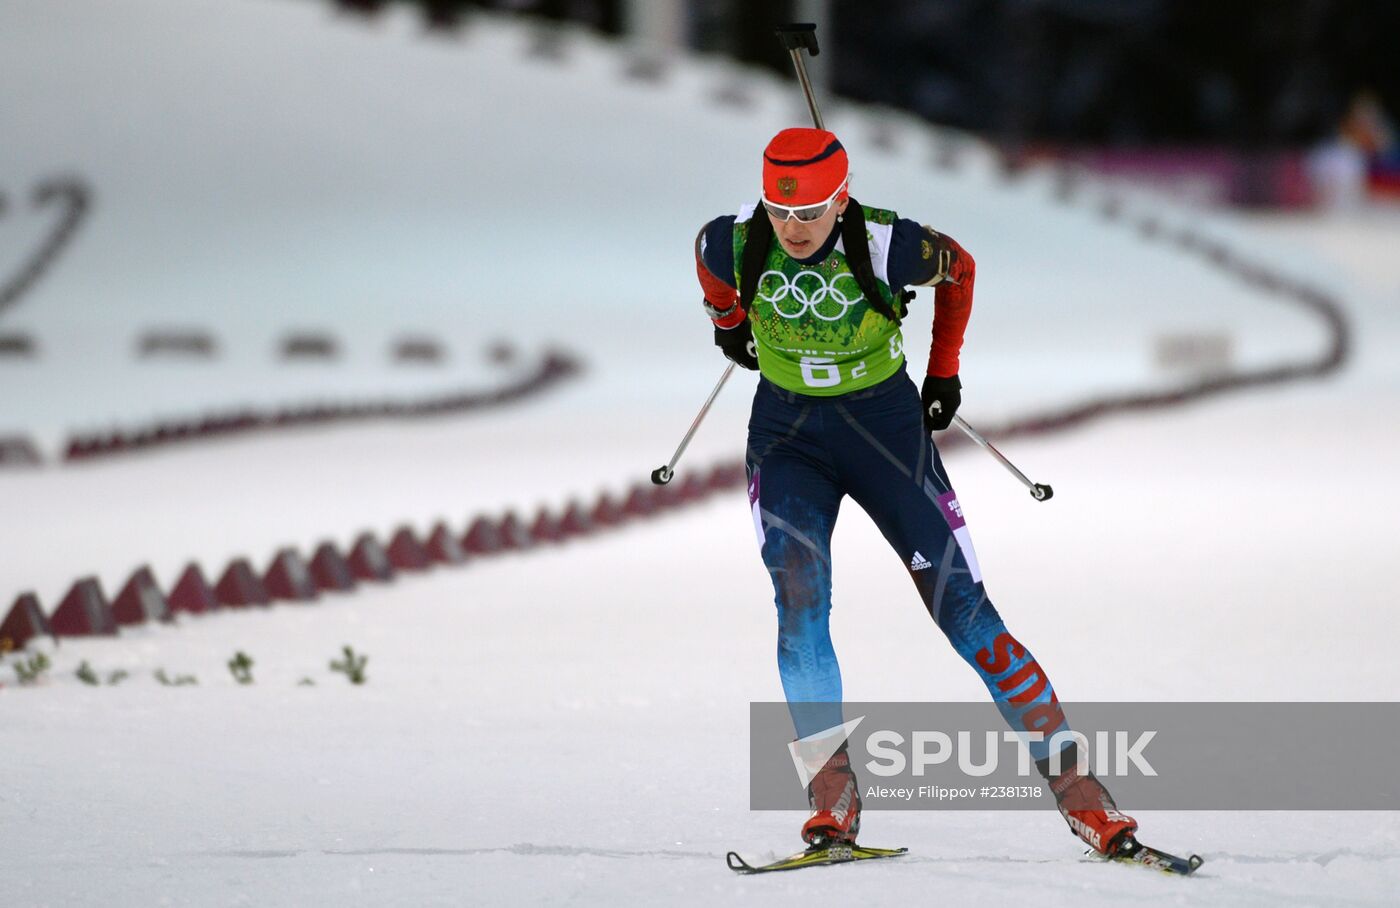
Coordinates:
x,y
952,305
718,293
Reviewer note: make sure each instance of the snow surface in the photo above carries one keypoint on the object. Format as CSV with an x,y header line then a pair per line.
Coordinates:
x,y
569,726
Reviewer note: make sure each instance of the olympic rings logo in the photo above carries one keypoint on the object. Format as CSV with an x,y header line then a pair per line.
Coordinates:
x,y
791,297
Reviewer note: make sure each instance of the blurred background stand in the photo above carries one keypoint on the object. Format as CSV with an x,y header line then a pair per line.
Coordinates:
x,y
1262,104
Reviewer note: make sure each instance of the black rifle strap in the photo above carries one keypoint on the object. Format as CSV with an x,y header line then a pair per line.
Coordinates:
x,y
858,258
756,243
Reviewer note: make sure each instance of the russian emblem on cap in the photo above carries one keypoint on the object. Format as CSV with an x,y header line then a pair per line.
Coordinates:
x,y
787,186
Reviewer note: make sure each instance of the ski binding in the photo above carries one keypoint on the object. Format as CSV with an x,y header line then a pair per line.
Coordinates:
x,y
1134,852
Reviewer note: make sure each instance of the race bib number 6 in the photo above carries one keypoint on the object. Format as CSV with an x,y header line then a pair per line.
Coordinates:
x,y
820,371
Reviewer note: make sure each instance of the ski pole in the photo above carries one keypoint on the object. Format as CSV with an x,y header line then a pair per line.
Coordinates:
x,y
662,475
1039,491
797,37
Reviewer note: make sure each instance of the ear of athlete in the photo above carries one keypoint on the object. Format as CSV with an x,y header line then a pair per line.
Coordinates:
x,y
737,344
941,397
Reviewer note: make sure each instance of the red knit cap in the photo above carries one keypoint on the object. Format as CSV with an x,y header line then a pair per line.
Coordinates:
x,y
803,166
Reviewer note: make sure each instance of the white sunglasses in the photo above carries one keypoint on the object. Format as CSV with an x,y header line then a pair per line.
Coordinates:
x,y
805,213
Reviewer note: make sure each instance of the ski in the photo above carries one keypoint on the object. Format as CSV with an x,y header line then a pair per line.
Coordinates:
x,y
1134,852
814,857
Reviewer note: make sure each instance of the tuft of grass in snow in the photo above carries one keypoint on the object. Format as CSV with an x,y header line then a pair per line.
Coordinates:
x,y
31,670
177,681
352,665
87,675
241,665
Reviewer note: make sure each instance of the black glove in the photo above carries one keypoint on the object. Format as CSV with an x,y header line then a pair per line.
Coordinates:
x,y
940,397
737,344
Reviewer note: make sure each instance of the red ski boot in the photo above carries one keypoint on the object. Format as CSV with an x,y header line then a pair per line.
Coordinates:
x,y
1089,810
834,797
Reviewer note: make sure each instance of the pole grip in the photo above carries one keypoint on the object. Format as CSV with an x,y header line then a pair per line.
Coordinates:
x,y
799,36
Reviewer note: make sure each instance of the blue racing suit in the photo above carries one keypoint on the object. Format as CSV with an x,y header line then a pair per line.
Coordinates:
x,y
807,453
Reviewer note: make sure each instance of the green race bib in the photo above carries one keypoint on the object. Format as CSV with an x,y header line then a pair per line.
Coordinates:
x,y
814,330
